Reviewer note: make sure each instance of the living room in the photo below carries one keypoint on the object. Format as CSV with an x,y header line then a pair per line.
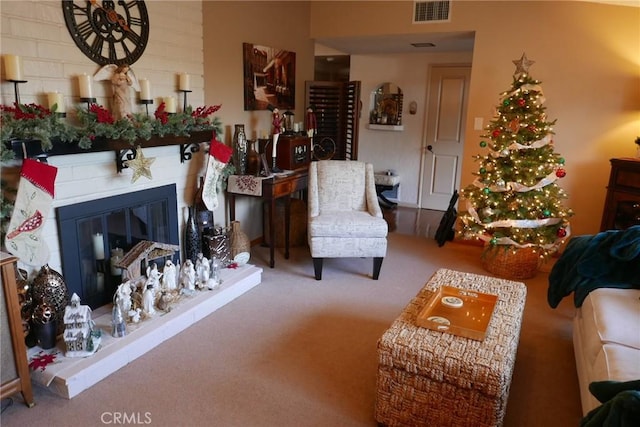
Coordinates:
x,y
586,55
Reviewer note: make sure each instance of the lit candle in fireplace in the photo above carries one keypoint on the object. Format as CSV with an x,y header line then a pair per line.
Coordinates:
x,y
98,246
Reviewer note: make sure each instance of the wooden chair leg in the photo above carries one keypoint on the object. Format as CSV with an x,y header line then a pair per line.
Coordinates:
x,y
377,264
317,268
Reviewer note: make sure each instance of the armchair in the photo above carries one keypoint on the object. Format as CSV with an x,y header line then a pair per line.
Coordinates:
x,y
344,217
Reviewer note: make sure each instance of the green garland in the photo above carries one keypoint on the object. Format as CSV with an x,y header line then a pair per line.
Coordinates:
x,y
35,122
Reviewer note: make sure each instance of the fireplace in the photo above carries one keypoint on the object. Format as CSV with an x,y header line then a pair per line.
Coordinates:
x,y
94,233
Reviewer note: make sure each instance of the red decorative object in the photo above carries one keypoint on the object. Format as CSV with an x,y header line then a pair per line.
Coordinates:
x,y
562,232
220,151
102,114
560,173
161,115
521,102
495,133
29,224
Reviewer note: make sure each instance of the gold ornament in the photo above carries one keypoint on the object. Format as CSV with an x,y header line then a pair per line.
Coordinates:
x,y
141,165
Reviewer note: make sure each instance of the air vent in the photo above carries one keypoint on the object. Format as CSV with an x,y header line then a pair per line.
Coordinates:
x,y
431,11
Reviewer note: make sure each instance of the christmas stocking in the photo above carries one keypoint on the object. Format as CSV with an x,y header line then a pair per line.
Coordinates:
x,y
219,155
33,202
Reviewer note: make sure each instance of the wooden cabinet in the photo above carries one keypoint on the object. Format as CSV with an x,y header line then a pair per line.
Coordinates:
x,y
292,151
622,207
15,369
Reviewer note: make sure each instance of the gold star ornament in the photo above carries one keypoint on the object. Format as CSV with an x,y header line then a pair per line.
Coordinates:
x,y
141,165
522,65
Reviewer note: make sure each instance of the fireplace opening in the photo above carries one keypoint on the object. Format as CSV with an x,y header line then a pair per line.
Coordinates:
x,y
95,234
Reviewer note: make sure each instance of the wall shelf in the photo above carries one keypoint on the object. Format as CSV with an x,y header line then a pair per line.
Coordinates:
x,y
397,128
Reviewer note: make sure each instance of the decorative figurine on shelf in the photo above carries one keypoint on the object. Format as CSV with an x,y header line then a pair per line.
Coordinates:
x,y
188,278
118,324
202,271
169,276
214,280
149,300
79,336
276,131
122,297
122,79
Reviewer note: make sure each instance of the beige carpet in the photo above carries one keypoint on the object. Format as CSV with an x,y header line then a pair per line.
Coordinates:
x,y
297,352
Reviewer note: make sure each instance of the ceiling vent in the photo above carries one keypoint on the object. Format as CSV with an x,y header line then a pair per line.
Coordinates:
x,y
431,11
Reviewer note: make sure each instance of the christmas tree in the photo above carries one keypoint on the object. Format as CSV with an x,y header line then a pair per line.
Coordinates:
x,y
515,201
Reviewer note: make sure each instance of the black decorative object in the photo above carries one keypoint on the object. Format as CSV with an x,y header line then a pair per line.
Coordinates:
x,y
108,32
240,150
192,242
445,229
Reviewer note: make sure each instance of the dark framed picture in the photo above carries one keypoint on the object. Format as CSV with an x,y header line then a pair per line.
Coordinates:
x,y
269,77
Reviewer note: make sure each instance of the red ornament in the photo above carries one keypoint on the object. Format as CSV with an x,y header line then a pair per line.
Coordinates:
x,y
521,102
495,133
532,128
560,173
562,232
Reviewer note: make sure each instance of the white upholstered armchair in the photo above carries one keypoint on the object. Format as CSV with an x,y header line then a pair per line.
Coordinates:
x,y
345,219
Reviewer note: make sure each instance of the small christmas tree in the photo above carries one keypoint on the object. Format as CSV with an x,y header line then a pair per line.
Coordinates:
x,y
515,201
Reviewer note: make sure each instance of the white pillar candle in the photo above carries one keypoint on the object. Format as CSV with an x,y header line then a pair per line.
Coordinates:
x,y
185,82
84,82
169,104
13,67
100,283
56,98
98,246
145,89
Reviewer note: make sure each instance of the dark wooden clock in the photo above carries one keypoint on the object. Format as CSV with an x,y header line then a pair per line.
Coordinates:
x,y
108,32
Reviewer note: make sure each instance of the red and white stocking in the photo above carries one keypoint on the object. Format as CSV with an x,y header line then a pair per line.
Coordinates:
x,y
219,155
32,205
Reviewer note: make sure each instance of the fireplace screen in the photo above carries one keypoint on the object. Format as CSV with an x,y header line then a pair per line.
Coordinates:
x,y
94,234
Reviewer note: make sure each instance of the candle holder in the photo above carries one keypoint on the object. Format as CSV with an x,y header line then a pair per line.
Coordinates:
x,y
89,101
184,108
146,103
16,89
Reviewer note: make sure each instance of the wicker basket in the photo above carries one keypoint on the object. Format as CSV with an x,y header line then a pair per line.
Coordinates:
x,y
511,263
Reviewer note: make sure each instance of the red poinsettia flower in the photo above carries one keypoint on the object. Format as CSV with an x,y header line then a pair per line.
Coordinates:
x,y
161,114
102,114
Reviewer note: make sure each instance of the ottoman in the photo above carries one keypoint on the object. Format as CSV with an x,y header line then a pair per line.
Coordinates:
x,y
431,378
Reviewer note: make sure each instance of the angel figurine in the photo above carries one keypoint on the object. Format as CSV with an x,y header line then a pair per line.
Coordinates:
x,y
122,78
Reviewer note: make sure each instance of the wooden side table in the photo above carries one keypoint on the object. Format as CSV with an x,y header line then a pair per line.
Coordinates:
x,y
272,189
622,206
15,368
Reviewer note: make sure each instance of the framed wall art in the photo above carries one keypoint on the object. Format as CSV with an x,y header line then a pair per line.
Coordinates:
x,y
269,77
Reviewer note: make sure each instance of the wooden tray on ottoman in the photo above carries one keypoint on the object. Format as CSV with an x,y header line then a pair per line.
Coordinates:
x,y
460,312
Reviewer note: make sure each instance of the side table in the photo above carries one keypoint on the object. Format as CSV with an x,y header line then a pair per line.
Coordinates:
x,y
269,189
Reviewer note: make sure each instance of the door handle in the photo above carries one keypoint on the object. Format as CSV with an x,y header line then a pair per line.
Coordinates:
x,y
430,148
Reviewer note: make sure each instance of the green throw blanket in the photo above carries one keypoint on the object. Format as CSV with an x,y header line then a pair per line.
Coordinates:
x,y
620,404
609,259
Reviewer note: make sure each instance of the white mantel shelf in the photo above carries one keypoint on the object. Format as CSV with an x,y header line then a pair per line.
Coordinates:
x,y
373,126
74,375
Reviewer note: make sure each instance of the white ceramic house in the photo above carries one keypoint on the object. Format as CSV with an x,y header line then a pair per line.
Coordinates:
x,y
78,336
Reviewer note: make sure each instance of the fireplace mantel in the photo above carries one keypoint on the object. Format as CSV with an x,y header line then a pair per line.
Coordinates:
x,y
124,150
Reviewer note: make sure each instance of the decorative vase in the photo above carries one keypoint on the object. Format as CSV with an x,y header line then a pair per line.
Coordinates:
x,y
204,219
253,160
240,149
511,263
50,290
192,245
219,245
239,240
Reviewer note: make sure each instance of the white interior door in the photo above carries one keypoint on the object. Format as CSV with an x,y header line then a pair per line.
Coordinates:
x,y
444,142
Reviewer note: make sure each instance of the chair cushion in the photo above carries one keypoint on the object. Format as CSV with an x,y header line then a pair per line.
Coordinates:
x,y
341,186
347,224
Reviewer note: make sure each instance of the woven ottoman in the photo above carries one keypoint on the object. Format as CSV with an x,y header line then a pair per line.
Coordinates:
x,y
430,378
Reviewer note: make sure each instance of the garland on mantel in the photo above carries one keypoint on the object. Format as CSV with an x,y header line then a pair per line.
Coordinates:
x,y
35,122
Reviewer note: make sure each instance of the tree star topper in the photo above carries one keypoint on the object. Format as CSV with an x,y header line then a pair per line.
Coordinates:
x,y
141,165
522,65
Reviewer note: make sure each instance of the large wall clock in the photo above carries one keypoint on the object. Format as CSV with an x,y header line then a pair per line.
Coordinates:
x,y
108,32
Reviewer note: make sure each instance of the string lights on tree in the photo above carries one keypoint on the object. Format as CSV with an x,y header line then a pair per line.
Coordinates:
x,y
515,200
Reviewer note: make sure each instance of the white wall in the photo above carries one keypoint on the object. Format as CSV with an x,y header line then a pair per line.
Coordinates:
x,y
37,32
403,150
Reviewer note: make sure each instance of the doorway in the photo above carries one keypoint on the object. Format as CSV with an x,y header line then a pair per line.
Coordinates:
x,y
447,99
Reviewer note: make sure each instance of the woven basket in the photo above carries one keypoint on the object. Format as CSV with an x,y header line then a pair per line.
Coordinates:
x,y
511,263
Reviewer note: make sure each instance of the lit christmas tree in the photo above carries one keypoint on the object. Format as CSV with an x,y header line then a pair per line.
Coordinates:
x,y
515,201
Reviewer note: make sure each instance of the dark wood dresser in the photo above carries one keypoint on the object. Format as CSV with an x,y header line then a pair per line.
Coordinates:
x,y
622,207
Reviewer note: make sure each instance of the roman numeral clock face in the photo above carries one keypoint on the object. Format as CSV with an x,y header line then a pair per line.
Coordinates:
x,y
108,32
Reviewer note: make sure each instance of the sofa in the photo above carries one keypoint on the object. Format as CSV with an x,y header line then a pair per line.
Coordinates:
x,y
602,271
